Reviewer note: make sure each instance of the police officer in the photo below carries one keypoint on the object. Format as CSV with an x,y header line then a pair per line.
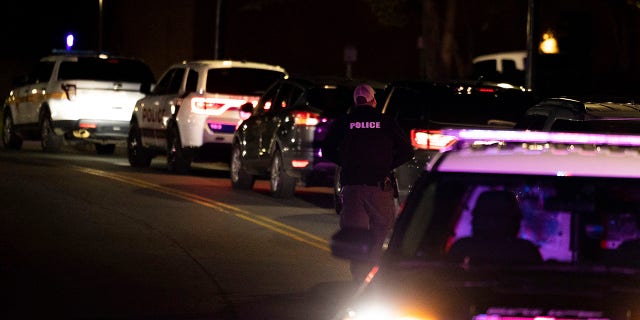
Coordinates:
x,y
367,145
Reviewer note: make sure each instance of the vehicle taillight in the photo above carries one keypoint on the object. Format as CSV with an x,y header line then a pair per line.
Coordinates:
x,y
486,90
306,118
430,139
216,106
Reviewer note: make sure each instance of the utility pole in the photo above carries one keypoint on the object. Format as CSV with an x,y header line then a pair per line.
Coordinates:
x,y
216,54
531,44
100,23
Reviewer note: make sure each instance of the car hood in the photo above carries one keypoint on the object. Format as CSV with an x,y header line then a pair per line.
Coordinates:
x,y
449,291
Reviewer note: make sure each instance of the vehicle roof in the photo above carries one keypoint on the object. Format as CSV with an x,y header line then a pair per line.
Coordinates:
x,y
541,153
588,110
232,64
320,80
57,54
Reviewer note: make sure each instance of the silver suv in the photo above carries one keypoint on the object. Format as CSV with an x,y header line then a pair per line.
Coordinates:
x,y
75,96
510,224
194,110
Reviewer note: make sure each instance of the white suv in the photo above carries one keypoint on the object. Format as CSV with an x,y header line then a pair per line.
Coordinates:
x,y
194,110
510,225
75,96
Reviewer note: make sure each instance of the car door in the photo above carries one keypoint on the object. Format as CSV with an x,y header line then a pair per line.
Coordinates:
x,y
249,131
155,109
273,119
30,93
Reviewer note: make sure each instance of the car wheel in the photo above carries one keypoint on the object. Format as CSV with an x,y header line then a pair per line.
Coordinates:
x,y
9,137
240,179
282,185
138,155
105,148
49,140
178,158
337,192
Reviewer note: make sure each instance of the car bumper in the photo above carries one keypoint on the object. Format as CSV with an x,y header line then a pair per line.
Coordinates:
x,y
104,131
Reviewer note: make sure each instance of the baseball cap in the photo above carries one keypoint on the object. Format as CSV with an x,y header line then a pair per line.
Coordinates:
x,y
363,94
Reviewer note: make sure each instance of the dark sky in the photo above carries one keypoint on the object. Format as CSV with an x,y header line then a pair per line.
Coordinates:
x,y
39,26
309,36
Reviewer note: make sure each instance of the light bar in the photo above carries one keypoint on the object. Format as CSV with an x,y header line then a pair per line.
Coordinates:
x,y
545,137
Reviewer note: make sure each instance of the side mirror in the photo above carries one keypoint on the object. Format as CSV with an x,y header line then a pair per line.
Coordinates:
x,y
353,244
246,110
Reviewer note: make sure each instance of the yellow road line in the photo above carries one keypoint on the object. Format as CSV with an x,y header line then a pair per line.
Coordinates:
x,y
268,223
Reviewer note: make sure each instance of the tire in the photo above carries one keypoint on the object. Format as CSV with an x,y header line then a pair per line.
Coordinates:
x,y
9,137
178,158
49,140
282,185
138,155
240,179
105,148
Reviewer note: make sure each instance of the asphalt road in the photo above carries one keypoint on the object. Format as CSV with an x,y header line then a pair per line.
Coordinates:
x,y
88,237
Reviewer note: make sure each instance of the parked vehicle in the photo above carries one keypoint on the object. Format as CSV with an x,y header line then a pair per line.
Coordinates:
x,y
194,109
464,246
282,138
76,97
619,115
424,108
507,67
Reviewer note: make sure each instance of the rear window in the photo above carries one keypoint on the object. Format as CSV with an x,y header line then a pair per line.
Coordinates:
x,y
243,81
416,108
333,101
112,69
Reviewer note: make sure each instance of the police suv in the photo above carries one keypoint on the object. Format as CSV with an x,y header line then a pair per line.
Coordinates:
x,y
509,224
194,110
75,96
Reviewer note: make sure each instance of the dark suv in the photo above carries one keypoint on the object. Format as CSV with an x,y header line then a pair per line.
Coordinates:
x,y
423,108
282,137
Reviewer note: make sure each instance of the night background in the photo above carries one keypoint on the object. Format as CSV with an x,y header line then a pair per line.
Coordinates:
x,y
598,39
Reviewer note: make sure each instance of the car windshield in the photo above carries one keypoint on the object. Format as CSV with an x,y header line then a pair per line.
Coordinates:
x,y
578,221
243,81
112,69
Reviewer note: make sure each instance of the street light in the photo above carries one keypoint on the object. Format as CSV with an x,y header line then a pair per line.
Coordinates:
x,y
549,44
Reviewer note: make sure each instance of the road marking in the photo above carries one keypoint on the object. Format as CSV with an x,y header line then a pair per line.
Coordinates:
x,y
268,223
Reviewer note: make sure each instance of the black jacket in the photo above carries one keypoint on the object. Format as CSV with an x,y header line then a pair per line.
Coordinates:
x,y
367,145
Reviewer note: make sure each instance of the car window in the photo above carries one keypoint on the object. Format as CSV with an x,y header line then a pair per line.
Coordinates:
x,y
41,72
416,107
170,82
112,69
283,98
331,100
192,81
243,81
581,220
266,101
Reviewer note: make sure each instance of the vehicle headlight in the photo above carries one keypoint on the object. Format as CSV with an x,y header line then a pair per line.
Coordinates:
x,y
384,312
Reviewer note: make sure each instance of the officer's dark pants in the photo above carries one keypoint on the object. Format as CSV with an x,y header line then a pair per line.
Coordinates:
x,y
368,207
